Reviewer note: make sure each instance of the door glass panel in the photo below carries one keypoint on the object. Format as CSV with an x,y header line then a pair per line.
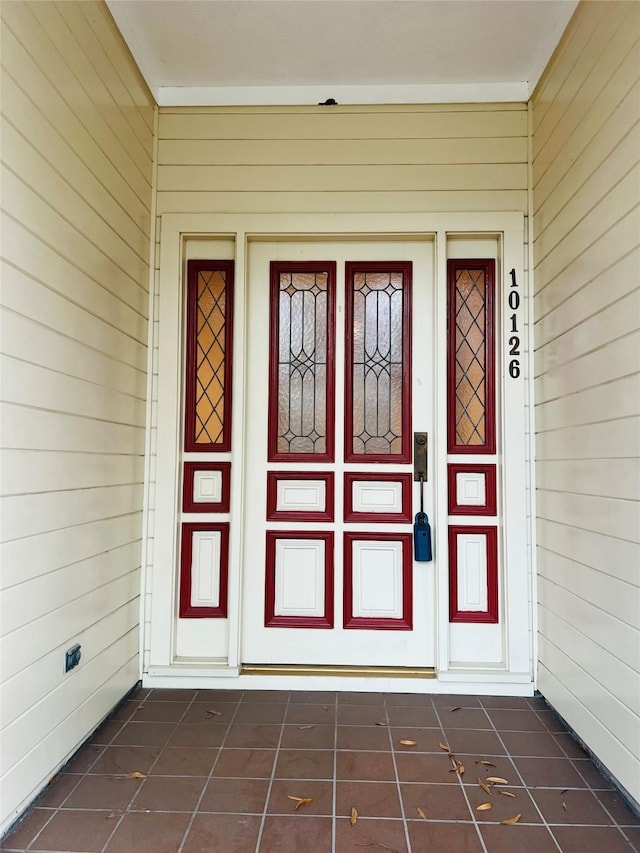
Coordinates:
x,y
301,393
471,355
377,401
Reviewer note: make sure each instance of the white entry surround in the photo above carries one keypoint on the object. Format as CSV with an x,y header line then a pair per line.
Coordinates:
x,y
468,656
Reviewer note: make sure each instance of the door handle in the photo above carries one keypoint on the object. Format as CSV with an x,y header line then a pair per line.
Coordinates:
x,y
420,447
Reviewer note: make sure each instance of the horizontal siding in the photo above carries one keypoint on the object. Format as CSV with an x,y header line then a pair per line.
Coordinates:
x,y
77,156
586,225
347,159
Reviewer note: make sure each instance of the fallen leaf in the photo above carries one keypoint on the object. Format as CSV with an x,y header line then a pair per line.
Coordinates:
x,y
484,761
214,714
140,708
115,814
354,815
137,775
325,707
511,820
445,747
304,728
507,794
564,806
497,780
453,709
382,723
303,802
484,806
409,742
486,788
421,813
53,780
564,790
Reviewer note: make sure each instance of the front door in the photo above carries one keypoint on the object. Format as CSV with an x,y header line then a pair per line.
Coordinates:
x,y
340,374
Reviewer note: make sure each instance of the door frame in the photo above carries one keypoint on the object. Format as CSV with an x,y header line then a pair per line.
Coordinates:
x,y
162,664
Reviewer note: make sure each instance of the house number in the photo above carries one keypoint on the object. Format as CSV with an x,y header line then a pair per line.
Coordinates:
x,y
514,339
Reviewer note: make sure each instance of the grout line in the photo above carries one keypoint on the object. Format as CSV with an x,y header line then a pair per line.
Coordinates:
x,y
334,806
395,770
208,778
273,771
526,787
460,782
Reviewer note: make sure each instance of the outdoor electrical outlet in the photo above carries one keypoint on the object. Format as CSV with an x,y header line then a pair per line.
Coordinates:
x,y
72,657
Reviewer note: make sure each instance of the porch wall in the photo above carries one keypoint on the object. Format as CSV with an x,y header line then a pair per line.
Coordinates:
x,y
76,197
586,142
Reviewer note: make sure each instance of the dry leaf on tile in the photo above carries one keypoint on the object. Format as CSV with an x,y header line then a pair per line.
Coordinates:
x,y
484,806
564,806
304,728
140,708
382,723
507,794
485,762
354,815
214,714
137,775
409,742
300,801
486,788
453,709
497,780
445,747
421,813
511,820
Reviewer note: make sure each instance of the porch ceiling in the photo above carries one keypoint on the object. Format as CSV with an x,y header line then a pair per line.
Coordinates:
x,y
356,51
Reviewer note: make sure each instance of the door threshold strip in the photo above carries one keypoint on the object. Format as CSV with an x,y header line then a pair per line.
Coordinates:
x,y
350,671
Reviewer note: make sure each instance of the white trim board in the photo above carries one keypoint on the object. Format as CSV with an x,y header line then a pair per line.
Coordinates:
x,y
431,93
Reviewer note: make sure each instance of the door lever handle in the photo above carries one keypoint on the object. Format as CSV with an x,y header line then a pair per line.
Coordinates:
x,y
420,447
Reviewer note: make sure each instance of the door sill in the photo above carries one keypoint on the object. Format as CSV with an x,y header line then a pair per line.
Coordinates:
x,y
346,671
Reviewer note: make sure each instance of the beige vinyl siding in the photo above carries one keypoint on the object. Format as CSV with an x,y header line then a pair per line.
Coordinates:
x,y
586,224
463,157
77,154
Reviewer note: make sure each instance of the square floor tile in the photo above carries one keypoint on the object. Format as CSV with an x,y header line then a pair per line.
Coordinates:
x,y
320,794
371,799
85,831
144,734
170,694
304,764
514,703
364,737
169,793
447,701
198,734
123,760
590,773
465,718
445,837
551,721
617,808
105,733
250,763
256,735
532,743
516,721
425,768
413,717
579,839
438,802
222,834
472,742
219,696
523,839
211,713
306,713
365,766
296,834
255,712
58,790
361,715
149,833
103,792
569,745
549,773
308,736
235,795
84,758
159,712
564,807
315,697
185,761
371,834
25,831
502,807
261,697
408,700
350,697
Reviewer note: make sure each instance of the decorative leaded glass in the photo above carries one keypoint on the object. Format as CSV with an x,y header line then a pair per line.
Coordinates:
x,y
471,381
378,381
207,415
302,354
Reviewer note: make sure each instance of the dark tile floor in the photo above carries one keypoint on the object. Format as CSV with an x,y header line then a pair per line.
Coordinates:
x,y
185,771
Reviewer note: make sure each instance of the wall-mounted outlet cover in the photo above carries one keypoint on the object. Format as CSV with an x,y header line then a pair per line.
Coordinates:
x,y
72,657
